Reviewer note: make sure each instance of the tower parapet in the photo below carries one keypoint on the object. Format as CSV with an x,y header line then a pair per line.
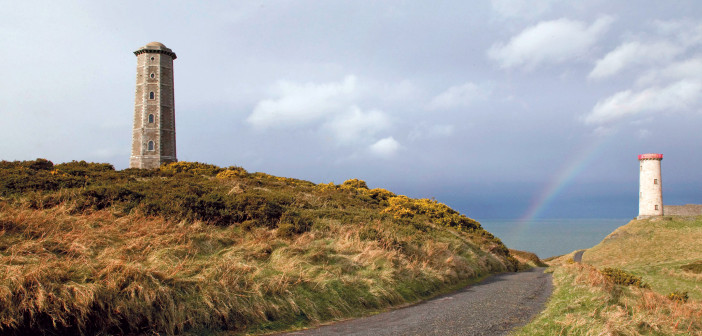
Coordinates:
x,y
153,136
650,186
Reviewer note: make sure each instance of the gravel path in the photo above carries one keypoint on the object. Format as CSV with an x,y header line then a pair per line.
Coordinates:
x,y
492,307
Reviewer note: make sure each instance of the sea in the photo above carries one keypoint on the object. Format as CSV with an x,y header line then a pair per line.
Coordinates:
x,y
552,237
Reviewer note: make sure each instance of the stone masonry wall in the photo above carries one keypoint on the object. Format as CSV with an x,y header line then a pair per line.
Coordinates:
x,y
154,110
683,210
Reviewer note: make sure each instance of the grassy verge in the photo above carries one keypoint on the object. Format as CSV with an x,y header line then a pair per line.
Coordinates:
x,y
585,302
194,248
662,252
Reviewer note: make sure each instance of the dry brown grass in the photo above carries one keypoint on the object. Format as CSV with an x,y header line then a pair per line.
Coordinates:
x,y
633,311
527,259
98,271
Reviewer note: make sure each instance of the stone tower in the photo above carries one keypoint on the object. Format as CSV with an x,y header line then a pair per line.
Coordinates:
x,y
650,186
154,136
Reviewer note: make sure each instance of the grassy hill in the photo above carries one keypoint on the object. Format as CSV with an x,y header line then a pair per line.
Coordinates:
x,y
645,278
199,249
662,251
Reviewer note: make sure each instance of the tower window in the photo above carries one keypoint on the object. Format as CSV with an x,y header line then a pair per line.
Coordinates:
x,y
151,95
151,147
152,58
152,75
655,181
151,118
656,207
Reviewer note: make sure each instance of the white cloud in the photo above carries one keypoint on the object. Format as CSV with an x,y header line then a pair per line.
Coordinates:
x,y
685,32
357,126
687,69
633,53
303,103
386,147
678,96
521,9
669,74
458,96
554,41
330,108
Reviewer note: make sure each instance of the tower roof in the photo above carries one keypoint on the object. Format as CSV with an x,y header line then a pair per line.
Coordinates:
x,y
156,44
651,156
155,47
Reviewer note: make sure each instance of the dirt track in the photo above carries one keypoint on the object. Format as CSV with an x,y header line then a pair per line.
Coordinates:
x,y
492,307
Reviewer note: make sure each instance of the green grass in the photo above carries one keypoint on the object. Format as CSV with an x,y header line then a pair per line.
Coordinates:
x,y
664,252
195,248
655,249
585,302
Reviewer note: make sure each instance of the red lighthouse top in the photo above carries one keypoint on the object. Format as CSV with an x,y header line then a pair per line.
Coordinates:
x,y
651,156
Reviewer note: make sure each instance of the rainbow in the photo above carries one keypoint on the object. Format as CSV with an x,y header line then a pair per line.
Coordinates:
x,y
571,169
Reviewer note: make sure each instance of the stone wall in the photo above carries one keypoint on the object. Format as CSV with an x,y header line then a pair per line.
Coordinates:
x,y
153,136
683,210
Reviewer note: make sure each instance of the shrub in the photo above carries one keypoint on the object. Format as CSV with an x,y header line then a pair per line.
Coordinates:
x,y
678,296
381,196
326,187
262,176
405,207
101,197
20,179
136,172
354,184
293,222
263,211
695,267
232,172
39,164
82,168
620,277
195,168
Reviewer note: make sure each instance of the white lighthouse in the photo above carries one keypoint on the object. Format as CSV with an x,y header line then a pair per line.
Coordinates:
x,y
650,186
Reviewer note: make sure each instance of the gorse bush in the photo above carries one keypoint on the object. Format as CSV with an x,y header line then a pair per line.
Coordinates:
x,y
294,222
403,207
38,164
232,172
38,175
354,184
82,168
380,196
695,267
620,277
195,168
678,296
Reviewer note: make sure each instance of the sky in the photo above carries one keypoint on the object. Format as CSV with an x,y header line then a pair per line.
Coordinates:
x,y
500,109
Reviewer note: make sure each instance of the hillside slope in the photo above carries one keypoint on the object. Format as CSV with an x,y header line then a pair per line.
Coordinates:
x,y
645,278
657,249
196,248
